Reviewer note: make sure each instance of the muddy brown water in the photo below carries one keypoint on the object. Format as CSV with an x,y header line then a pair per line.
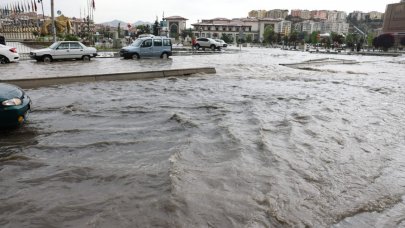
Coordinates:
x,y
255,145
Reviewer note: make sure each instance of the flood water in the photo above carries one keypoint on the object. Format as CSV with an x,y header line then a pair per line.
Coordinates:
x,y
255,145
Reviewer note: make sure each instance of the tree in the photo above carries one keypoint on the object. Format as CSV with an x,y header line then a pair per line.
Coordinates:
x,y
370,40
294,38
402,41
337,38
186,33
227,38
314,37
351,40
249,38
269,35
119,30
386,41
156,28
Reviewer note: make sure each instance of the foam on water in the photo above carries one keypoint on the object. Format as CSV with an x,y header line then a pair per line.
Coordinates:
x,y
256,145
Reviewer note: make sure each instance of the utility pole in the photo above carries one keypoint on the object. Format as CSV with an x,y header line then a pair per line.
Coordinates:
x,y
53,20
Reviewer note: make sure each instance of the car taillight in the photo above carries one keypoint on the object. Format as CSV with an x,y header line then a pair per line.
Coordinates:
x,y
14,50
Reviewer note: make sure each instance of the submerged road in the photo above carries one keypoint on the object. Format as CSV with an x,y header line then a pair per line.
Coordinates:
x,y
255,145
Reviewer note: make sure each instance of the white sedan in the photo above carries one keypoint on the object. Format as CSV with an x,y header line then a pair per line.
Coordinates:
x,y
8,54
64,50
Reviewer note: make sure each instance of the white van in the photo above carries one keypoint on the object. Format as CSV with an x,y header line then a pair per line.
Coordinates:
x,y
147,47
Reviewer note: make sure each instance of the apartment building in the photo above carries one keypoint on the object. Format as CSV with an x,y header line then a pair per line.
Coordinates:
x,y
303,14
277,14
258,13
322,27
319,14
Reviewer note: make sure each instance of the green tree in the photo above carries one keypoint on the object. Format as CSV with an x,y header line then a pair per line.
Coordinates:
x,y
370,38
156,28
186,32
351,40
314,37
249,38
227,38
337,38
402,41
269,35
294,38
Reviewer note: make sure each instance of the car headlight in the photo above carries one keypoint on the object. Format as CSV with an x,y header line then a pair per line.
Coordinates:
x,y
12,102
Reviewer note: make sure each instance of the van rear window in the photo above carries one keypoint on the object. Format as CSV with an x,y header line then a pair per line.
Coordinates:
x,y
167,42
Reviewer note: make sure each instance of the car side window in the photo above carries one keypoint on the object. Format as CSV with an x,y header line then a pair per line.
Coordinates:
x,y
167,42
147,43
75,46
157,42
63,46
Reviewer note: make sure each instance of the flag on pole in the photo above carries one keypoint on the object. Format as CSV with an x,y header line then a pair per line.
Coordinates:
x,y
93,4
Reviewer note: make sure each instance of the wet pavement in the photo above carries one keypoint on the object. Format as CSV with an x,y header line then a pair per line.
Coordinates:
x,y
256,145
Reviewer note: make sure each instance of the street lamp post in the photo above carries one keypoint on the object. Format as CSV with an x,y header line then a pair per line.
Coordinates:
x,y
53,20
200,30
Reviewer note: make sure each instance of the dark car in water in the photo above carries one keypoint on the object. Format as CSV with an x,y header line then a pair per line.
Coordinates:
x,y
15,106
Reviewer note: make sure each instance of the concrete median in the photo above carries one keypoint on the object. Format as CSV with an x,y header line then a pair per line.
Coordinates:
x,y
43,82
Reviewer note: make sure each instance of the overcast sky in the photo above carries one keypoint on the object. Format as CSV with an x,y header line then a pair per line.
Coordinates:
x,y
134,10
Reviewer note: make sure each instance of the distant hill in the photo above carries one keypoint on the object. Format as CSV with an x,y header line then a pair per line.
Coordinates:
x,y
142,23
124,24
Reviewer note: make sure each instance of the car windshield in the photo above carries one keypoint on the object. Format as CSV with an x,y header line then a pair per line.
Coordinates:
x,y
54,45
137,43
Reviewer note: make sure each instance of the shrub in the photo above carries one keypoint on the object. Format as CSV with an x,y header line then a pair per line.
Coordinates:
x,y
385,41
402,42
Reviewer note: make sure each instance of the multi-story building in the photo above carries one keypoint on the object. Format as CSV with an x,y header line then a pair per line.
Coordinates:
x,y
336,16
322,27
357,16
374,15
254,27
283,27
303,14
277,14
319,14
258,13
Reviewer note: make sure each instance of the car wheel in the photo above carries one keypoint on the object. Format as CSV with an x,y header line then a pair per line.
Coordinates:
x,y
3,59
213,47
47,59
197,46
135,56
86,58
165,56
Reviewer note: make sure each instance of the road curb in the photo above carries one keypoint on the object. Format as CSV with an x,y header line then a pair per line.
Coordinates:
x,y
43,82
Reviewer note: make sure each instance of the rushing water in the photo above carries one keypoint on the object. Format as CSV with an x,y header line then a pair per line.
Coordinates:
x,y
256,145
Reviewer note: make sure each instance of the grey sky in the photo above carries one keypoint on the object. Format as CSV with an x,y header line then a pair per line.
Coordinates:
x,y
132,10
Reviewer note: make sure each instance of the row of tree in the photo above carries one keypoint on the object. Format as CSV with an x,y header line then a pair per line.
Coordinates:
x,y
351,40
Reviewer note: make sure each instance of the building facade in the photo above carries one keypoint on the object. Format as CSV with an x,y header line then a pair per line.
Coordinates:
x,y
175,26
394,19
277,14
322,27
253,27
